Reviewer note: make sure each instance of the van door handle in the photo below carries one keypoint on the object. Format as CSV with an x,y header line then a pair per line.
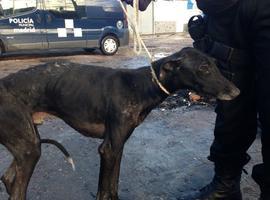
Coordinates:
x,y
48,18
39,18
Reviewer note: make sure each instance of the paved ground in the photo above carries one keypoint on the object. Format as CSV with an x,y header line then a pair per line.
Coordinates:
x,y
165,158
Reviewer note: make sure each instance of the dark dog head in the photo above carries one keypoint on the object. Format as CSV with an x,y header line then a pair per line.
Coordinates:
x,y
191,69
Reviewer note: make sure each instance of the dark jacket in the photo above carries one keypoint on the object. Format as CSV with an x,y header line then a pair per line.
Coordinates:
x,y
215,6
230,21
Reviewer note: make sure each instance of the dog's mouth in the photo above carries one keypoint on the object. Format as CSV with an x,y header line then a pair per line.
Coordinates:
x,y
229,96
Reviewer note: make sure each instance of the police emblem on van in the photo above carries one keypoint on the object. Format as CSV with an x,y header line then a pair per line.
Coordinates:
x,y
119,24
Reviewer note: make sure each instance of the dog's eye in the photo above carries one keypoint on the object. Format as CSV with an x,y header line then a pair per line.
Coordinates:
x,y
204,69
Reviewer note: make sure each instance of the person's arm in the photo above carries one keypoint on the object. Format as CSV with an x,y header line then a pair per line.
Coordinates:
x,y
143,4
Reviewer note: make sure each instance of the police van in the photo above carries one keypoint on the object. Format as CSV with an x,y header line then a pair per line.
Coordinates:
x,y
53,24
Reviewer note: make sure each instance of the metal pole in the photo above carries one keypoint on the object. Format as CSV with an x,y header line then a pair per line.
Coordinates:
x,y
136,17
153,18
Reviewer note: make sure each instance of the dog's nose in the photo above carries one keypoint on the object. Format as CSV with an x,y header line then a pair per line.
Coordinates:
x,y
235,92
229,94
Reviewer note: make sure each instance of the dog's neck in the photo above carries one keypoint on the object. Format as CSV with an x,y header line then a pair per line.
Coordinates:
x,y
164,84
157,81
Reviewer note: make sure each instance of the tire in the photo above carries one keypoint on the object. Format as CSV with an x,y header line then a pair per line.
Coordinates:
x,y
109,45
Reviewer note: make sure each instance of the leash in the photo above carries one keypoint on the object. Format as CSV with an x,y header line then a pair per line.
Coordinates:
x,y
140,43
137,48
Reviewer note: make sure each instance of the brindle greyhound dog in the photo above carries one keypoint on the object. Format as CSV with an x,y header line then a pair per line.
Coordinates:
x,y
97,102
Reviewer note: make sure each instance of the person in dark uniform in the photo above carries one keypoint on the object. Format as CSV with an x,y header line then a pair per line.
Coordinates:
x,y
237,34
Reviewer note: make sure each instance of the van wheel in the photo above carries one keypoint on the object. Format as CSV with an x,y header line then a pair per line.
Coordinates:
x,y
109,45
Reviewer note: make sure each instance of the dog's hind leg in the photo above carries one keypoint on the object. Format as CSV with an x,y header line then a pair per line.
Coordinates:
x,y
26,154
22,141
9,176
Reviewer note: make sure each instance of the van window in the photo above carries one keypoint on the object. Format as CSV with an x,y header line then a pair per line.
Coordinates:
x,y
15,7
66,8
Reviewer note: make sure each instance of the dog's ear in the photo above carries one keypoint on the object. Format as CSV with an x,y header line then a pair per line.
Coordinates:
x,y
178,59
165,69
173,64
168,66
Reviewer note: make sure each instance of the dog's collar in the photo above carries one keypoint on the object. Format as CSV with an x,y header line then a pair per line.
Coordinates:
x,y
155,79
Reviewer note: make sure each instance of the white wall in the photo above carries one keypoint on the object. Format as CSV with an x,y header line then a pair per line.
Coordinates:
x,y
165,16
174,11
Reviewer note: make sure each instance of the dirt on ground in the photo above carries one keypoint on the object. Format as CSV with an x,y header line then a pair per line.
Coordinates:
x,y
165,158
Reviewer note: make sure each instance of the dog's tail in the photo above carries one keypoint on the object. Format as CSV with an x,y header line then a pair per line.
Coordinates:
x,y
61,148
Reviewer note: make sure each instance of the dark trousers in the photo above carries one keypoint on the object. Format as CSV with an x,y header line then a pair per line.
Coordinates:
x,y
236,121
263,88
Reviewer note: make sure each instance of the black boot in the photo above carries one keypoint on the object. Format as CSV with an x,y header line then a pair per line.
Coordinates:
x,y
260,177
226,182
222,188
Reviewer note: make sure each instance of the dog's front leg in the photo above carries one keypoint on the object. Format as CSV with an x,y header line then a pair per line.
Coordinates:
x,y
109,156
115,176
118,129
